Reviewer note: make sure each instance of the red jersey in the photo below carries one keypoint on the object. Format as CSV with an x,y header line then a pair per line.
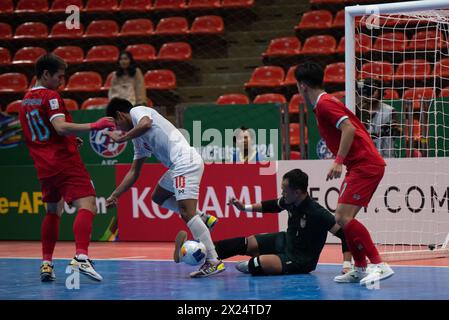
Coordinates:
x,y
330,113
51,152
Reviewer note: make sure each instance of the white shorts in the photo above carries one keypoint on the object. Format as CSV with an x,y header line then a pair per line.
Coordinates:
x,y
184,177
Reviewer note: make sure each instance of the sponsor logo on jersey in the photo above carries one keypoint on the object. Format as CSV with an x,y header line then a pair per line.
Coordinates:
x,y
104,145
323,151
54,104
356,196
303,222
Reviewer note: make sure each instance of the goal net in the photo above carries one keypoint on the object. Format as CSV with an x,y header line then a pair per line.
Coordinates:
x,y
397,72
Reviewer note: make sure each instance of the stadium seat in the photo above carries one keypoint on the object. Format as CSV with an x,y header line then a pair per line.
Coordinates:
x,y
88,81
142,52
107,83
5,56
444,93
101,6
103,53
363,43
269,98
102,29
324,45
334,73
179,51
173,25
13,82
417,95
426,40
137,27
268,76
317,19
295,101
32,82
95,103
70,54
135,5
35,30
339,20
6,6
341,46
413,70
160,79
13,107
169,4
5,31
24,6
389,42
71,104
290,79
61,5
233,98
442,68
59,30
340,95
391,94
376,70
287,46
204,4
207,25
237,3
295,136
295,155
28,55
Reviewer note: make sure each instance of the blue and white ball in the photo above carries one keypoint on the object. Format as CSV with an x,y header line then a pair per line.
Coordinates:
x,y
193,252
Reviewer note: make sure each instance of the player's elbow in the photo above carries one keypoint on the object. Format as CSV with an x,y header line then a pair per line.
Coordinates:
x,y
61,129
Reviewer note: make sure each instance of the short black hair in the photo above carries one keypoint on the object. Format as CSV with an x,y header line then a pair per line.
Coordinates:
x,y
297,179
311,74
116,105
49,62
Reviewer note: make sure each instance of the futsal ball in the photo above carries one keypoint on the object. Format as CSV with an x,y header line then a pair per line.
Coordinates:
x,y
193,252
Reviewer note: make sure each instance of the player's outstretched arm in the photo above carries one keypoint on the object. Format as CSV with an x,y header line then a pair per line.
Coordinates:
x,y
264,206
64,128
347,137
128,181
141,128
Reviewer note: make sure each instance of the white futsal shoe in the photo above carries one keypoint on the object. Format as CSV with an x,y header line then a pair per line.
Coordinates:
x,y
377,272
85,266
355,275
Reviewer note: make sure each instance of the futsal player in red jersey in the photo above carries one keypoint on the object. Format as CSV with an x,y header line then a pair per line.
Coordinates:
x,y
50,137
349,141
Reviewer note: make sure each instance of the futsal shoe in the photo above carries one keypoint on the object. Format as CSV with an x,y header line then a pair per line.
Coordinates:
x,y
208,269
377,273
211,221
180,239
85,266
47,273
355,275
242,266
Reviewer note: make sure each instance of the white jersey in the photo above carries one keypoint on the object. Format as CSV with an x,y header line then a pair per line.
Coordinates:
x,y
384,143
163,139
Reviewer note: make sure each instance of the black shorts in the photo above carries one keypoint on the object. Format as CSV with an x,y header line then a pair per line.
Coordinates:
x,y
276,243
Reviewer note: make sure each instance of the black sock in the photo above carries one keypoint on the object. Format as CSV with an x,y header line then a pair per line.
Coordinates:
x,y
254,267
341,235
231,247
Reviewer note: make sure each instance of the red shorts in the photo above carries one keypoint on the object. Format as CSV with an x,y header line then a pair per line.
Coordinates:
x,y
360,184
71,185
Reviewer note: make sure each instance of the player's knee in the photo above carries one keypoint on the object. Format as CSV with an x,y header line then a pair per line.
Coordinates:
x,y
252,247
254,267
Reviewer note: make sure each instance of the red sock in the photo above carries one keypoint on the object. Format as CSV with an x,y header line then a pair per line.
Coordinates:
x,y
362,242
50,234
82,229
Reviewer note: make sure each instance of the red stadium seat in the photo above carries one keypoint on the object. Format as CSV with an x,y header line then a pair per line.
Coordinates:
x,y
101,5
394,41
319,45
444,93
426,40
207,25
135,5
334,73
142,52
442,68
295,155
102,29
32,82
59,31
104,53
233,98
290,79
363,43
237,3
70,54
391,94
61,5
107,83
340,95
413,69
339,20
268,76
377,70
13,82
318,19
5,56
179,51
71,104
269,98
14,107
6,6
36,30
295,101
137,27
160,79
5,31
173,25
95,103
417,95
341,46
31,6
288,46
169,4
204,4
28,55
295,136
88,81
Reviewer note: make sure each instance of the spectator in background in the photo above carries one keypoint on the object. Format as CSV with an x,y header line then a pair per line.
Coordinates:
x,y
378,117
127,82
245,151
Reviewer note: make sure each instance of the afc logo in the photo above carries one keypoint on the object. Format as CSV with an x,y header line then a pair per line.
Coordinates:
x,y
180,184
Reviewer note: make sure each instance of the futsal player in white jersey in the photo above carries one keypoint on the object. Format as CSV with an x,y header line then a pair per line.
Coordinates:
x,y
178,188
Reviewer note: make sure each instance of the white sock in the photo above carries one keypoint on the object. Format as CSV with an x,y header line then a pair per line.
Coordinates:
x,y
82,257
172,204
201,232
46,261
